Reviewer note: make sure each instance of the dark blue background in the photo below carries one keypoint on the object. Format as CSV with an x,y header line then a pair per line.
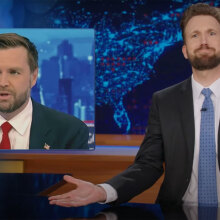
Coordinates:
x,y
138,50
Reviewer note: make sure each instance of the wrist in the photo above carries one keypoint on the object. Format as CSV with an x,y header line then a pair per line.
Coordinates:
x,y
102,194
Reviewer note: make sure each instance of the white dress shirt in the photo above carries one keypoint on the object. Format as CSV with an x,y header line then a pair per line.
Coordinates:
x,y
191,194
21,124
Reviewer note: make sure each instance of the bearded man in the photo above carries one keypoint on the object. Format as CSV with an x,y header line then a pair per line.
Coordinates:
x,y
183,131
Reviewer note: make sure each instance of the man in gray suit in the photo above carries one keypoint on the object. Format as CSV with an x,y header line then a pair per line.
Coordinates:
x,y
24,123
173,135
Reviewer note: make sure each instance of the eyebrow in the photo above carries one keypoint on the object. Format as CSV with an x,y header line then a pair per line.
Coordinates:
x,y
19,69
197,31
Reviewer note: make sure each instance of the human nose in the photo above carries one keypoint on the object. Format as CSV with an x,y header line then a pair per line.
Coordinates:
x,y
204,39
4,80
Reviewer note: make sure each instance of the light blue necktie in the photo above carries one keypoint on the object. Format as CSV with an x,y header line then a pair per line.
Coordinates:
x,y
207,187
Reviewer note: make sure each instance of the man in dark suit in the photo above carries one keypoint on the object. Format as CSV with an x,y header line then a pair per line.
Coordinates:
x,y
24,123
173,138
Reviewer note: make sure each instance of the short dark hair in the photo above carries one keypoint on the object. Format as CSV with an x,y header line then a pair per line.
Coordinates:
x,y
198,9
12,40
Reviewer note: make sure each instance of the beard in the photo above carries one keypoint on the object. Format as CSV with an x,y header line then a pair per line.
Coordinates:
x,y
205,61
16,102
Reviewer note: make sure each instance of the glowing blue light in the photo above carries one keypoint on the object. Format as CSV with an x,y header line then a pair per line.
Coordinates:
x,y
90,58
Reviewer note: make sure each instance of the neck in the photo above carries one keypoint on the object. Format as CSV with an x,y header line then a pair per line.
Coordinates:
x,y
206,77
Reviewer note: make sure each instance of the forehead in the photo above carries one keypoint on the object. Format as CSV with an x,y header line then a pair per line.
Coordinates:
x,y
15,55
201,23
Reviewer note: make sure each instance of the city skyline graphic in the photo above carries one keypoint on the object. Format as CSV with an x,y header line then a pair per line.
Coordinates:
x,y
66,71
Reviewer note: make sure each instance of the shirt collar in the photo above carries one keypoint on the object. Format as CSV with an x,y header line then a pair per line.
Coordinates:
x,y
215,88
21,121
197,88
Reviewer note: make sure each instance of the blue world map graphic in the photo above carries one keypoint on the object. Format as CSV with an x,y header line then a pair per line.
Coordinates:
x,y
136,42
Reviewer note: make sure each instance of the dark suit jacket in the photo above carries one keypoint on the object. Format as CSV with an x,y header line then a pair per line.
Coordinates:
x,y
170,140
56,129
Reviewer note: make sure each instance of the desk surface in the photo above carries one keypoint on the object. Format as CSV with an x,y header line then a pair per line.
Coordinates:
x,y
33,207
19,199
94,166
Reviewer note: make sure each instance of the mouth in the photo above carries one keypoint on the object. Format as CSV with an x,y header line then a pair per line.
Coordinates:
x,y
4,95
205,48
205,52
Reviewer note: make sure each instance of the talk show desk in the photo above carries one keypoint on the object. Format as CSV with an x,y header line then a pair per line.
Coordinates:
x,y
21,198
95,166
24,202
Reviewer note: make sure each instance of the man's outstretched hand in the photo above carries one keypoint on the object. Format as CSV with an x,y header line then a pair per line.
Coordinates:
x,y
84,194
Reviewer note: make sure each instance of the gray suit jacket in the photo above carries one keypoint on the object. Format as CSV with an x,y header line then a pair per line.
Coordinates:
x,y
169,140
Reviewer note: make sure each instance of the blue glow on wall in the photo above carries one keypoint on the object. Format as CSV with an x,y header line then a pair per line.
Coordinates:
x,y
138,50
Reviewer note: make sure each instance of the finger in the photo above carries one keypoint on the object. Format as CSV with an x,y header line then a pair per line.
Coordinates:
x,y
60,201
61,204
68,179
73,199
72,180
68,203
62,196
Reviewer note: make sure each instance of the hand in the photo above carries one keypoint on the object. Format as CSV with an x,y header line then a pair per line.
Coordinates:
x,y
84,194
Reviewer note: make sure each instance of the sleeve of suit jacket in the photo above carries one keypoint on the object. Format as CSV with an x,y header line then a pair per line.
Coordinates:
x,y
148,164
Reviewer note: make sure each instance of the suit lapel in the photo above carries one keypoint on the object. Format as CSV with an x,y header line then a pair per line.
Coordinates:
x,y
39,129
187,118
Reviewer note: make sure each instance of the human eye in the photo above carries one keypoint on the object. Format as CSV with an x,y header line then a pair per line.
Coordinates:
x,y
195,35
14,72
212,33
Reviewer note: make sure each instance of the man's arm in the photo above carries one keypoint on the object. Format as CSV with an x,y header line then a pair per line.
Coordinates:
x,y
143,173
148,164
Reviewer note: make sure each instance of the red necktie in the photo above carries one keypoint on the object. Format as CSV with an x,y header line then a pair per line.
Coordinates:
x,y
5,143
